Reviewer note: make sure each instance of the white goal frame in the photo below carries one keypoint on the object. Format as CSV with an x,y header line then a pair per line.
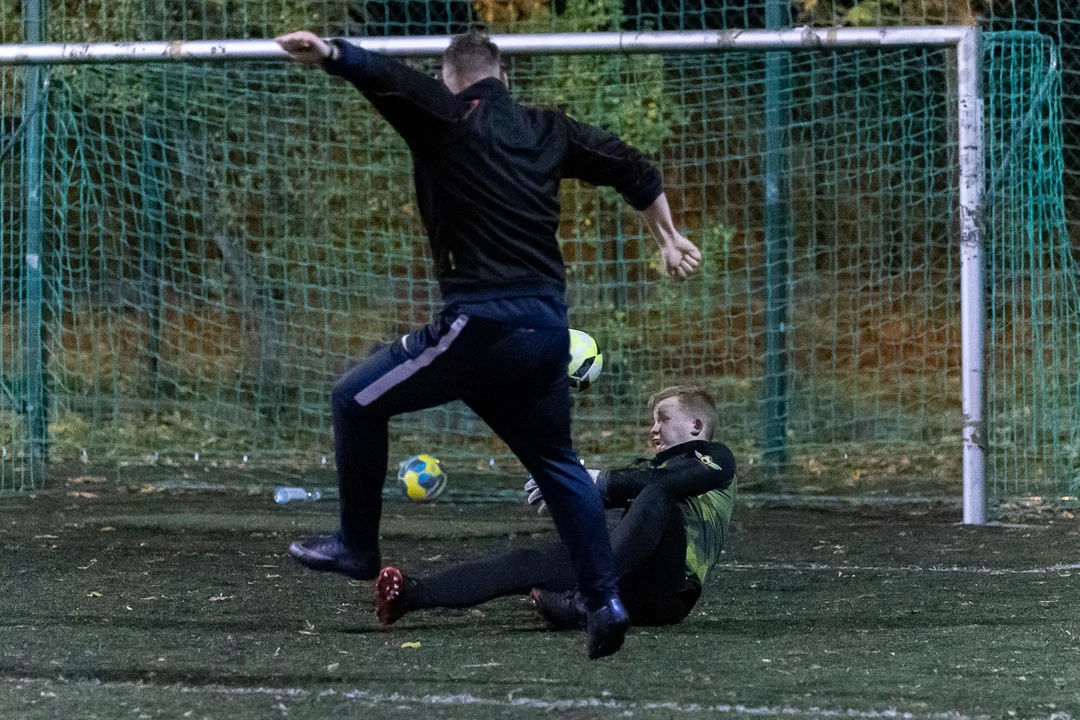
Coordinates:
x,y
965,40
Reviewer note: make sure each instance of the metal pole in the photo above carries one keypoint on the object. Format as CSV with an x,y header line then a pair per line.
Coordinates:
x,y
556,43
34,98
151,250
972,296
777,252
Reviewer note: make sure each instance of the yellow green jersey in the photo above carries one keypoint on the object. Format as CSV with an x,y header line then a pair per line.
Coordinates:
x,y
701,475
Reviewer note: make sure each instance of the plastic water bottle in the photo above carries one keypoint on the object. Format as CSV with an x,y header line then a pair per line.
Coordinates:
x,y
283,494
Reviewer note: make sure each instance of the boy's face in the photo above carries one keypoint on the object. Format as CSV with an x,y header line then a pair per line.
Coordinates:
x,y
674,426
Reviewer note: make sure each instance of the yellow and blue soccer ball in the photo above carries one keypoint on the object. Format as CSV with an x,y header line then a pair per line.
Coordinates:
x,y
421,478
586,360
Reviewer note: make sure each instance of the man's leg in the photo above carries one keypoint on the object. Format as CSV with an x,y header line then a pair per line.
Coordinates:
x,y
534,421
528,405
418,371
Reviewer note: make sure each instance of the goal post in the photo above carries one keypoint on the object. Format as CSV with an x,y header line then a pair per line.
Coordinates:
x,y
966,41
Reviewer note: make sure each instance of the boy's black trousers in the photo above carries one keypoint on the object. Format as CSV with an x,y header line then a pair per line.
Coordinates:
x,y
515,379
650,555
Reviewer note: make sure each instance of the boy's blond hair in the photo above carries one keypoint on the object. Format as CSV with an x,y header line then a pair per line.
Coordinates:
x,y
694,400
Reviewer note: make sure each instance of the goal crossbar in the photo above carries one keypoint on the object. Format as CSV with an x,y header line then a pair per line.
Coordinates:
x,y
965,40
805,38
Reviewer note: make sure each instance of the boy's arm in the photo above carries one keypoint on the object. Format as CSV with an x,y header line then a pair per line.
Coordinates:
x,y
697,471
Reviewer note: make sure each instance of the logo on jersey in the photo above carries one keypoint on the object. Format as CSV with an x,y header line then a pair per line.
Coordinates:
x,y
707,460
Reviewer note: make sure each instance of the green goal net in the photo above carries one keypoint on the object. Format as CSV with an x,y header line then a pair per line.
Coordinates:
x,y
224,241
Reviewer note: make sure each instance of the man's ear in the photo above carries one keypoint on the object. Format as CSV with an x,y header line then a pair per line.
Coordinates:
x,y
699,427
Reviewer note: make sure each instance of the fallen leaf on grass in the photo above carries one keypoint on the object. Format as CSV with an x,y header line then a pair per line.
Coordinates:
x,y
221,597
410,645
82,494
41,537
96,479
88,565
332,667
94,593
107,529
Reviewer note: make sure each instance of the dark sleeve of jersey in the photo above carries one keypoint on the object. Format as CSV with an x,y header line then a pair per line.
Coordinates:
x,y
600,158
419,107
685,475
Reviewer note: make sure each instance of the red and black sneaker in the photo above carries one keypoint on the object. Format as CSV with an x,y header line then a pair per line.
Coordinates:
x,y
390,591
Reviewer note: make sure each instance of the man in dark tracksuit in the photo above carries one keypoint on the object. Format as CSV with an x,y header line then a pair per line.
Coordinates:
x,y
487,174
677,511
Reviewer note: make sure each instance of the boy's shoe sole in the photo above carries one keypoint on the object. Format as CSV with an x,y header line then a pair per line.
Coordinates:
x,y
390,596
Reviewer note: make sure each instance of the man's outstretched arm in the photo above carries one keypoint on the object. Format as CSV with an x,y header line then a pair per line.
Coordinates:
x,y
681,257
601,158
419,107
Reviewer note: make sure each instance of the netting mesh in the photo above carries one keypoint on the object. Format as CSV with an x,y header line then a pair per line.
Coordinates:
x,y
223,242
1034,338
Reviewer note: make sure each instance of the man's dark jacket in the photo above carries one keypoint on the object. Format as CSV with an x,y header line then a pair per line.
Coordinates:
x,y
487,173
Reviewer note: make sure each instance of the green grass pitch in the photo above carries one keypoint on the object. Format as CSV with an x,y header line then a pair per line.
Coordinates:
x,y
186,605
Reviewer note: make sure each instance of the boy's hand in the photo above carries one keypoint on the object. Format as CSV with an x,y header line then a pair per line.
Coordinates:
x,y
305,47
536,498
681,257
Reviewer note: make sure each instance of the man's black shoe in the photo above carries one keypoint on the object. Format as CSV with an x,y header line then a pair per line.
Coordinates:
x,y
559,609
330,552
607,629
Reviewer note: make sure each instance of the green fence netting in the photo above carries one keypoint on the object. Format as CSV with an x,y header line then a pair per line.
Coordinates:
x,y
222,242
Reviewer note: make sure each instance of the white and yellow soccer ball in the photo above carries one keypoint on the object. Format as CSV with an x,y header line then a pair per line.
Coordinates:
x,y
586,360
421,478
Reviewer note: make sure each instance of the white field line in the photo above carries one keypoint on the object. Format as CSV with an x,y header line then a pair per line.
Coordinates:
x,y
512,701
975,570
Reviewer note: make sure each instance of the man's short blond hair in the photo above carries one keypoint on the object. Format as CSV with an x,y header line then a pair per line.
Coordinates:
x,y
473,56
694,400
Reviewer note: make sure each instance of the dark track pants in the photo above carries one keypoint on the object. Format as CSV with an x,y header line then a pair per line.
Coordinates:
x,y
650,555
515,380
